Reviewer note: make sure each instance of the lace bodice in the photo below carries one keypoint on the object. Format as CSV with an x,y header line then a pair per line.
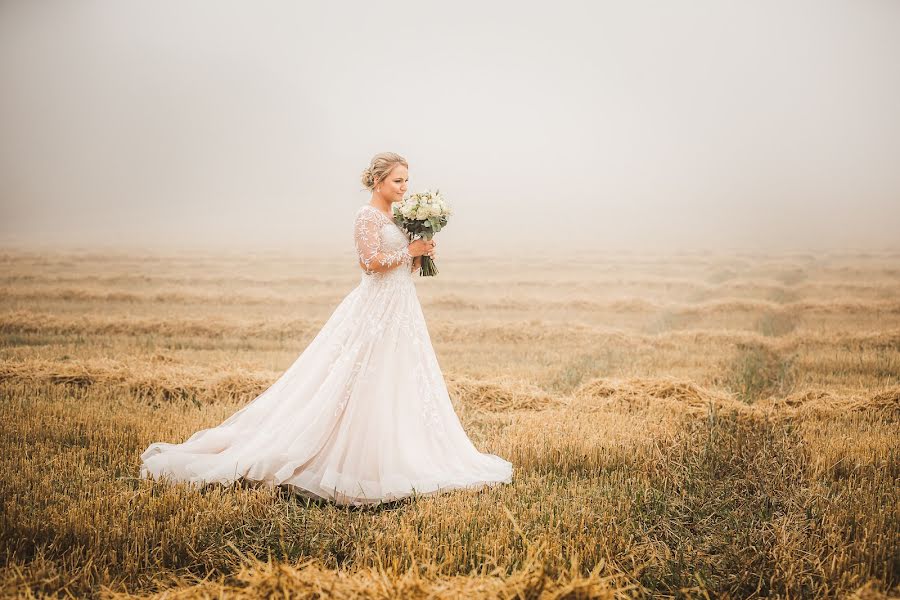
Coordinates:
x,y
380,242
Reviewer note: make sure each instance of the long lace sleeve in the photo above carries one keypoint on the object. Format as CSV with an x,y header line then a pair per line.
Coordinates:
x,y
368,244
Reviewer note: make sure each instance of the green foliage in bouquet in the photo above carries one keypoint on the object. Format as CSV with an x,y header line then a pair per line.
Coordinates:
x,y
421,216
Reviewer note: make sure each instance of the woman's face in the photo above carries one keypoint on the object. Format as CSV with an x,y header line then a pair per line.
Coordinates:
x,y
394,185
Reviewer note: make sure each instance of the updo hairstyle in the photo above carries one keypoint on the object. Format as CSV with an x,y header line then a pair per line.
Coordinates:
x,y
379,167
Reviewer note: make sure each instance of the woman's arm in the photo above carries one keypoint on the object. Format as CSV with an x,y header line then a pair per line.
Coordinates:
x,y
368,242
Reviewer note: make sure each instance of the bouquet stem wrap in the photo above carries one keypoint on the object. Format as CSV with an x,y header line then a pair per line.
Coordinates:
x,y
427,268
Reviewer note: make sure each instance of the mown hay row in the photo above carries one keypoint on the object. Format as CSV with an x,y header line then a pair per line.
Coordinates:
x,y
500,395
127,278
22,322
668,395
175,296
771,287
816,403
162,379
29,322
836,306
674,396
452,301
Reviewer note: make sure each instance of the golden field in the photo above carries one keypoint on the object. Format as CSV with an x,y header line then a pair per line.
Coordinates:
x,y
691,425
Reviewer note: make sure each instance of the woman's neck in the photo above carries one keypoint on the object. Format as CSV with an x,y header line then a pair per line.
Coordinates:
x,y
381,204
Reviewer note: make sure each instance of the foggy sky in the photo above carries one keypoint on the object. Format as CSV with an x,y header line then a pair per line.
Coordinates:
x,y
630,125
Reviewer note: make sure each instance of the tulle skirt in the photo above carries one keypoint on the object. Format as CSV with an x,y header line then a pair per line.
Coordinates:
x,y
362,416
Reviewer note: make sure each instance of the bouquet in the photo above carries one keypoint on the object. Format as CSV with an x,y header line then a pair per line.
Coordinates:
x,y
421,216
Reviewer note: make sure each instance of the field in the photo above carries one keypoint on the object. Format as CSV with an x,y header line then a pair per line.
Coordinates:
x,y
691,425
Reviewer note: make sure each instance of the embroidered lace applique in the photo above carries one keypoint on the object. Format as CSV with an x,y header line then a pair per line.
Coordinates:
x,y
345,355
430,392
377,246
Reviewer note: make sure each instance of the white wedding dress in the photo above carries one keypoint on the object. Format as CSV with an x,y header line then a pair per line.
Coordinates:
x,y
362,416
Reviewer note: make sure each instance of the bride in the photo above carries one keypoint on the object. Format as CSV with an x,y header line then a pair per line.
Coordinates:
x,y
363,415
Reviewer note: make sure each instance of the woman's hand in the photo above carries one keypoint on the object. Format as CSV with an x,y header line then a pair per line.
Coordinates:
x,y
421,247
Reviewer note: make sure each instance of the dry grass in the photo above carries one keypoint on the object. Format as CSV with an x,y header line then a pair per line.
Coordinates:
x,y
680,426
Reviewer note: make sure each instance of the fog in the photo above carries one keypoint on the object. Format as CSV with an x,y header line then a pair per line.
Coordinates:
x,y
637,126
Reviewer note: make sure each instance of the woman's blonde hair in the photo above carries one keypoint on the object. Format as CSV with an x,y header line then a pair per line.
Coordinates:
x,y
379,167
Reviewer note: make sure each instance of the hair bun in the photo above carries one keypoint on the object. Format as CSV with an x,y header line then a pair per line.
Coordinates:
x,y
368,179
